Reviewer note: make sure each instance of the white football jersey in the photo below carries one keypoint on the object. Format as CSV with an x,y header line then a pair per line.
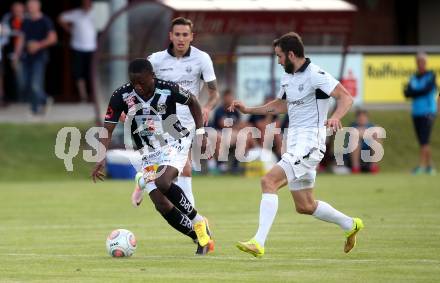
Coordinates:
x,y
189,72
307,93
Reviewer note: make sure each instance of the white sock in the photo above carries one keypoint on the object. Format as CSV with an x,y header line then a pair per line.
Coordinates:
x,y
196,219
268,210
326,212
185,183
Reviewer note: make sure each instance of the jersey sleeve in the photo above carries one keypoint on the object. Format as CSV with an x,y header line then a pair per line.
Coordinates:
x,y
182,95
114,109
179,94
153,60
282,92
208,73
323,81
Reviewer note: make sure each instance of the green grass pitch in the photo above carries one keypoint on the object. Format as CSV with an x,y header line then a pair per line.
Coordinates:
x,y
55,232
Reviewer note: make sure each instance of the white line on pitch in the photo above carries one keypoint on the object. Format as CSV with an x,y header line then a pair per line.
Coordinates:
x,y
213,257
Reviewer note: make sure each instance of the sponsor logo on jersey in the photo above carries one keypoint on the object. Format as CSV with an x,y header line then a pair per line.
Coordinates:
x,y
124,95
164,92
184,83
129,100
166,69
297,102
188,69
301,87
151,155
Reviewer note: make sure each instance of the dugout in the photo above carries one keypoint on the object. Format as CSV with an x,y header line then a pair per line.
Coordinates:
x,y
236,33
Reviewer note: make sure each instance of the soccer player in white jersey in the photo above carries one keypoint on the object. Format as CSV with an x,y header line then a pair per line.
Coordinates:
x,y
190,68
305,89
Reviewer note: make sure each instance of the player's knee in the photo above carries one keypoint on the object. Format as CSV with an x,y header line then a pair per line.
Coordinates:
x,y
305,209
163,184
268,185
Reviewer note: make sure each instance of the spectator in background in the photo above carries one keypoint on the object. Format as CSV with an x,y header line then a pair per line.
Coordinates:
x,y
225,119
14,82
355,162
422,90
221,112
38,35
79,23
261,122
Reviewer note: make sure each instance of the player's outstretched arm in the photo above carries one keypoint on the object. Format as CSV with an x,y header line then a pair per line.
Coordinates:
x,y
276,106
343,104
97,172
196,110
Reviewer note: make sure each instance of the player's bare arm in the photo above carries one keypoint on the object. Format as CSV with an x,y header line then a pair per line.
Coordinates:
x,y
212,100
276,106
344,101
97,172
196,110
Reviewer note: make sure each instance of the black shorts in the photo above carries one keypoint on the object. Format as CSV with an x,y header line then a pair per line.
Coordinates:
x,y
423,127
81,64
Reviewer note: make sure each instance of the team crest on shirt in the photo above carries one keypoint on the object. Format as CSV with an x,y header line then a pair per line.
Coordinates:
x,y
301,87
161,108
130,100
188,69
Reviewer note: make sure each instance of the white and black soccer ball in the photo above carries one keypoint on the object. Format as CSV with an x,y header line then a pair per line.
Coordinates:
x,y
121,243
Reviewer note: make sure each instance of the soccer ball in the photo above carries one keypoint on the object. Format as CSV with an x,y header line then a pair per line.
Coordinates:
x,y
121,243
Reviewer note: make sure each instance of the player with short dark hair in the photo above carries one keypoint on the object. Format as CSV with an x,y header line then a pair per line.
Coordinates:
x,y
190,68
181,21
150,106
304,95
290,42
